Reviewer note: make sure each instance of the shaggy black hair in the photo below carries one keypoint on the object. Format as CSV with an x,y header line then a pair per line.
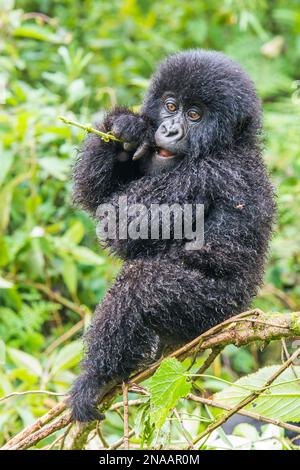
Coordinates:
x,y
166,294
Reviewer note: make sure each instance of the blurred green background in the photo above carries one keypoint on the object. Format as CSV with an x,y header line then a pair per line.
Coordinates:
x,y
78,58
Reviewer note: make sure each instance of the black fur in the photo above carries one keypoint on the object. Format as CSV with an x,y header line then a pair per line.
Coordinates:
x,y
165,294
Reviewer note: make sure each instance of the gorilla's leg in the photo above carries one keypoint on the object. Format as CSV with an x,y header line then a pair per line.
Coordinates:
x,y
152,304
117,342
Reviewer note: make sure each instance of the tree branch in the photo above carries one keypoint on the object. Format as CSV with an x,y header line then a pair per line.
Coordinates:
x,y
246,328
104,136
32,392
126,415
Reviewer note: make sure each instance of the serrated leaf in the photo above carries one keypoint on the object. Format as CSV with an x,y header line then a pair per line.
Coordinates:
x,y
281,402
167,386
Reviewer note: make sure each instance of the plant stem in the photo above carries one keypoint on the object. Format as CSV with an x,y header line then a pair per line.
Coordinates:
x,y
104,136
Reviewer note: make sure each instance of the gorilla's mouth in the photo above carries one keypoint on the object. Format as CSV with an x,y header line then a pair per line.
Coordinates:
x,y
164,153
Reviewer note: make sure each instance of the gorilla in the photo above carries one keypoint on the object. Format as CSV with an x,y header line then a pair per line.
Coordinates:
x,y
196,140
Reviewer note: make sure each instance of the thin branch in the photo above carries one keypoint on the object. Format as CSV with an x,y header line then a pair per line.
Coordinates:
x,y
64,436
45,431
249,414
213,355
287,301
60,439
120,404
255,320
287,355
81,310
184,431
32,392
250,398
55,442
118,443
67,335
104,136
101,436
40,17
126,415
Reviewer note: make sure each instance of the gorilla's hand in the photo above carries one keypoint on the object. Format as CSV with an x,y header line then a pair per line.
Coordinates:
x,y
135,132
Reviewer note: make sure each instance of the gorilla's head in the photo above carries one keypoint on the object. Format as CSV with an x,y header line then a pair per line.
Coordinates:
x,y
201,101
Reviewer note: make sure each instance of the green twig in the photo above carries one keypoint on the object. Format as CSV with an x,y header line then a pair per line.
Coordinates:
x,y
104,136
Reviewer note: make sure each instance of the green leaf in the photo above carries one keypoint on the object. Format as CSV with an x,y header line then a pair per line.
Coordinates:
x,y
75,233
167,386
35,32
280,402
69,273
86,256
25,361
143,427
5,206
4,252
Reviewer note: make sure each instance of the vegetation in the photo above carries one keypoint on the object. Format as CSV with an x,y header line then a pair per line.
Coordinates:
x,y
76,58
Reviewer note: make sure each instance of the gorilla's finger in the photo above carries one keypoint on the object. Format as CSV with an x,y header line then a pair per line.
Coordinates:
x,y
143,148
129,146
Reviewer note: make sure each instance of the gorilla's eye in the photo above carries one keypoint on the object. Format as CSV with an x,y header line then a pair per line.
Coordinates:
x,y
170,105
193,115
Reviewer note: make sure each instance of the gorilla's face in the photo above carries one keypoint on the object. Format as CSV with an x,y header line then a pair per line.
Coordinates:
x,y
202,103
178,119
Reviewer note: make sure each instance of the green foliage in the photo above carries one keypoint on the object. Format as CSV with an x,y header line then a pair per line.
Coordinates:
x,y
167,386
280,401
76,58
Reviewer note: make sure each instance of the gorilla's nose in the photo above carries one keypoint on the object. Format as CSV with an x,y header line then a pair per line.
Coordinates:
x,y
171,131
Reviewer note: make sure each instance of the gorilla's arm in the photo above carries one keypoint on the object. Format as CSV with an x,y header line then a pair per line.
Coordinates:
x,y
104,167
152,303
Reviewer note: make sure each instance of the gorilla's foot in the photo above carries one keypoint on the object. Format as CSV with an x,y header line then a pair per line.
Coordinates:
x,y
85,395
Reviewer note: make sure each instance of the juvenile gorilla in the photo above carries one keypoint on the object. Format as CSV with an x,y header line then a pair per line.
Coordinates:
x,y
195,140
